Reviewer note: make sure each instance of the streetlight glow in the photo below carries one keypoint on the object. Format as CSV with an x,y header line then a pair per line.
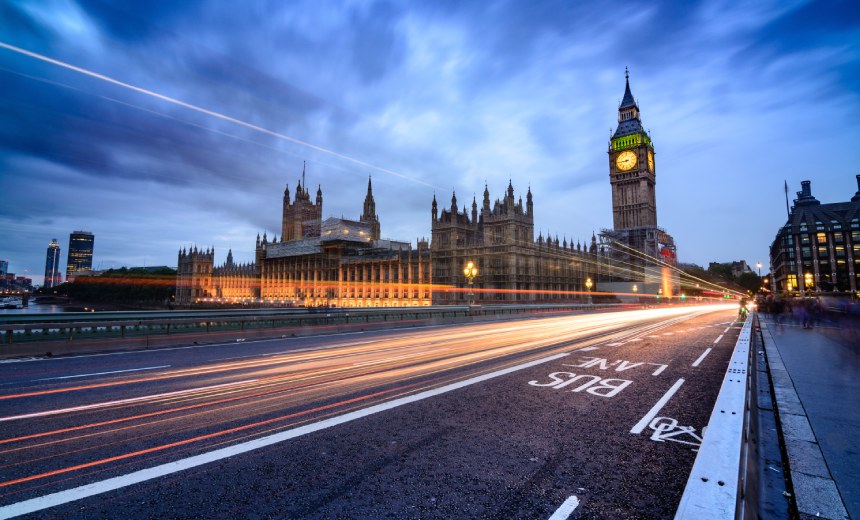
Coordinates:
x,y
588,286
470,272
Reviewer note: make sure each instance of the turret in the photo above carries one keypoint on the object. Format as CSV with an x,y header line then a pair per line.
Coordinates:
x,y
529,203
435,209
474,210
319,195
454,203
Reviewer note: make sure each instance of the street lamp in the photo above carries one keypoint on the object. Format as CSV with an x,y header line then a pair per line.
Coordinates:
x,y
758,264
807,280
470,272
659,293
588,286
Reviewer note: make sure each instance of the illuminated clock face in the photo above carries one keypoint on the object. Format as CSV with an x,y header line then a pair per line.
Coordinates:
x,y
651,161
626,160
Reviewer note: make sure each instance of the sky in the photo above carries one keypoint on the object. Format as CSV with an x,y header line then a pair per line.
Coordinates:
x,y
159,125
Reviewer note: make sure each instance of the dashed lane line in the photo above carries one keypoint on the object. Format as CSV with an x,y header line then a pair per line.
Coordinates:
x,y
718,339
565,509
702,357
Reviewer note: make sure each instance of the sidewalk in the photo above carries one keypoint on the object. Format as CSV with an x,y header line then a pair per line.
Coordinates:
x,y
816,381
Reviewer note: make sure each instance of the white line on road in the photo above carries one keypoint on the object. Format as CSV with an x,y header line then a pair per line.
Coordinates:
x,y
121,401
727,329
70,495
702,357
718,339
586,349
102,373
643,422
614,344
565,509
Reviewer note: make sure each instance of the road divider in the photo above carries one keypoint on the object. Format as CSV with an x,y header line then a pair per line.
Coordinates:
x,y
715,487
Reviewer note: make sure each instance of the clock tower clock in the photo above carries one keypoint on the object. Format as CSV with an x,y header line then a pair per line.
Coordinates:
x,y
631,168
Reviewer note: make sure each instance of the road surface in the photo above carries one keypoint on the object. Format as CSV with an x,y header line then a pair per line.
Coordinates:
x,y
580,416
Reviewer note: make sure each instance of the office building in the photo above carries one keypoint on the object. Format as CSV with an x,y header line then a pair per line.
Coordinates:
x,y
53,269
80,253
818,248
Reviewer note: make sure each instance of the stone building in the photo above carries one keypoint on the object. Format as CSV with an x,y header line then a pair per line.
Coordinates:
x,y
344,262
512,265
337,262
818,248
642,253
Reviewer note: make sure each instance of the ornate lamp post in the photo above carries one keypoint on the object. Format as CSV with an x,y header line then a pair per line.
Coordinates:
x,y
588,285
807,280
758,264
470,272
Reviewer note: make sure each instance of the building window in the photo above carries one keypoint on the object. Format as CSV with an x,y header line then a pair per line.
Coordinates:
x,y
822,238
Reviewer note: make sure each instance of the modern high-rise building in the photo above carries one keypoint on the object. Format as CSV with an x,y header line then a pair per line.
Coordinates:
x,y
80,253
4,267
53,269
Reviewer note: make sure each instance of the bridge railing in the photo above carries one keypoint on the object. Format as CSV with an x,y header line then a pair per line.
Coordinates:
x,y
70,327
722,477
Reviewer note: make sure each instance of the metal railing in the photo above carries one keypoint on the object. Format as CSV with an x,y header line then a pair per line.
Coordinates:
x,y
69,327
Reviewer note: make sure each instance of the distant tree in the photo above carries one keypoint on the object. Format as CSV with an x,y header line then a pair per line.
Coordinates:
x,y
722,270
749,281
135,287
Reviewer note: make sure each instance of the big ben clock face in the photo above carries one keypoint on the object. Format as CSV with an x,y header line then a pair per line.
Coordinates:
x,y
651,161
626,160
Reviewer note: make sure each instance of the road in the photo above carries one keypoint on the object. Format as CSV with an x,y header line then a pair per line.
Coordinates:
x,y
580,416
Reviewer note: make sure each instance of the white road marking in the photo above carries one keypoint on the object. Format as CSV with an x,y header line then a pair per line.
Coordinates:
x,y
586,349
635,339
718,339
668,333
70,495
615,344
727,329
565,509
121,401
654,337
644,421
102,373
702,357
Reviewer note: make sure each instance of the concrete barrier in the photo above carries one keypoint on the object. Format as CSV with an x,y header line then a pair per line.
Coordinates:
x,y
716,486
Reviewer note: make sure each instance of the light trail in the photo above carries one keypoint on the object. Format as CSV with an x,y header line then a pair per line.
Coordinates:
x,y
207,112
311,382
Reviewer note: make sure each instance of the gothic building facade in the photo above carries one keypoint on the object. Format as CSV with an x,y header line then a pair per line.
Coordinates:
x,y
346,263
512,265
317,262
642,253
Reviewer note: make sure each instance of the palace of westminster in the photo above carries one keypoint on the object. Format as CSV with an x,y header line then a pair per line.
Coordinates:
x,y
345,263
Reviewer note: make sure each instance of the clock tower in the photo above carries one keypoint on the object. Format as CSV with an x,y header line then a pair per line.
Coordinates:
x,y
631,168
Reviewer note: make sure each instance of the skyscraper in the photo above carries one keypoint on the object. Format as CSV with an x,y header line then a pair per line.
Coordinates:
x,y
53,275
80,253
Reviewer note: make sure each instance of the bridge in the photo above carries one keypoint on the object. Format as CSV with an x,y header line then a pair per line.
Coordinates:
x,y
532,412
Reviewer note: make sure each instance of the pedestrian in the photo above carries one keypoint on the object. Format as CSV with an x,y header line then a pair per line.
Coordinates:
x,y
808,312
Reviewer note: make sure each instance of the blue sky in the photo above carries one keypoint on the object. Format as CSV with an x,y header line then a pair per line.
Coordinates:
x,y
427,97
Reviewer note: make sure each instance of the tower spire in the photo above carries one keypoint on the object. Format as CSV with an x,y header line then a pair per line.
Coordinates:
x,y
627,100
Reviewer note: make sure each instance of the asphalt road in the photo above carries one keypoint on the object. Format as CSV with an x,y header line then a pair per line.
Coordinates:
x,y
581,416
